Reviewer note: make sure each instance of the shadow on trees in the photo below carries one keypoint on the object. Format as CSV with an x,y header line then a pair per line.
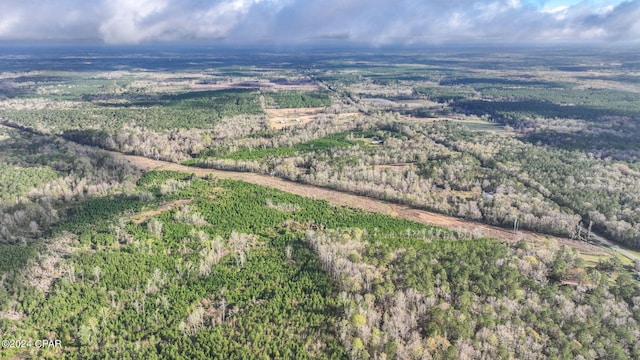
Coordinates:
x,y
492,81
194,99
515,112
605,144
617,78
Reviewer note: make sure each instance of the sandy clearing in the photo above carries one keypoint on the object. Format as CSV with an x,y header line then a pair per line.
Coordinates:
x,y
281,118
12,314
361,202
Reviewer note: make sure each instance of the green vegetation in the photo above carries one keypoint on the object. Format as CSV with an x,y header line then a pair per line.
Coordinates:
x,y
299,99
217,104
200,109
14,257
515,111
444,94
605,120
419,302
317,145
239,276
17,181
225,275
115,263
43,177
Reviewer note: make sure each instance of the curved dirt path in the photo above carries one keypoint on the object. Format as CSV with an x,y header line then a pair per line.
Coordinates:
x,y
362,202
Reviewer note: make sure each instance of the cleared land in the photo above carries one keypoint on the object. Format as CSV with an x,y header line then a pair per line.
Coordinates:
x,y
282,118
472,123
365,203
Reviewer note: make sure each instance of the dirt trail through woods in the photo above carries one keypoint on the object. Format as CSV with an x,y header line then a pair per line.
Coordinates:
x,y
146,215
361,202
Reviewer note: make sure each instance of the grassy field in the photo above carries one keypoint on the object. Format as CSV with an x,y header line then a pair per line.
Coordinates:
x,y
477,124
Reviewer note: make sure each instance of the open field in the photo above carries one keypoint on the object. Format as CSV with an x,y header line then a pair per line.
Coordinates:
x,y
287,117
477,124
281,118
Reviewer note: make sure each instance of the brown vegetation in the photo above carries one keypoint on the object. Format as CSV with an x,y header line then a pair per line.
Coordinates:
x,y
42,272
396,167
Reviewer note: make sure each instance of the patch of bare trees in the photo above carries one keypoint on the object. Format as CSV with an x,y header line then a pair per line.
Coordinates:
x,y
372,323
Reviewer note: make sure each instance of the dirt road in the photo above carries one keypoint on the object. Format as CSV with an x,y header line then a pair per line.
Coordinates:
x,y
361,202
355,201
609,244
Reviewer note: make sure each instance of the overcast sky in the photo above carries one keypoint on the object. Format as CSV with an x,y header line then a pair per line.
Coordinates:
x,y
376,22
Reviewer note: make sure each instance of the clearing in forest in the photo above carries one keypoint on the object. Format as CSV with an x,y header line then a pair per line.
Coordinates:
x,y
146,215
478,124
473,123
369,204
282,118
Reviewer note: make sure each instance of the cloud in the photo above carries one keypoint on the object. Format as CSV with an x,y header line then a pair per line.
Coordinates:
x,y
70,19
375,22
132,21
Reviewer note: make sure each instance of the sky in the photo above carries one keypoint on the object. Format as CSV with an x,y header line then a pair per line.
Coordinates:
x,y
290,22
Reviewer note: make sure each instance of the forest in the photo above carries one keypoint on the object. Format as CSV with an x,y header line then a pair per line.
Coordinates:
x,y
234,270
118,239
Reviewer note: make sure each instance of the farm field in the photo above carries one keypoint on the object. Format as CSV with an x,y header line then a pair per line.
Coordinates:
x,y
390,204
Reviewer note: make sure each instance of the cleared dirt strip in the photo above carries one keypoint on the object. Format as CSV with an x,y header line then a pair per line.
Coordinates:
x,y
362,202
